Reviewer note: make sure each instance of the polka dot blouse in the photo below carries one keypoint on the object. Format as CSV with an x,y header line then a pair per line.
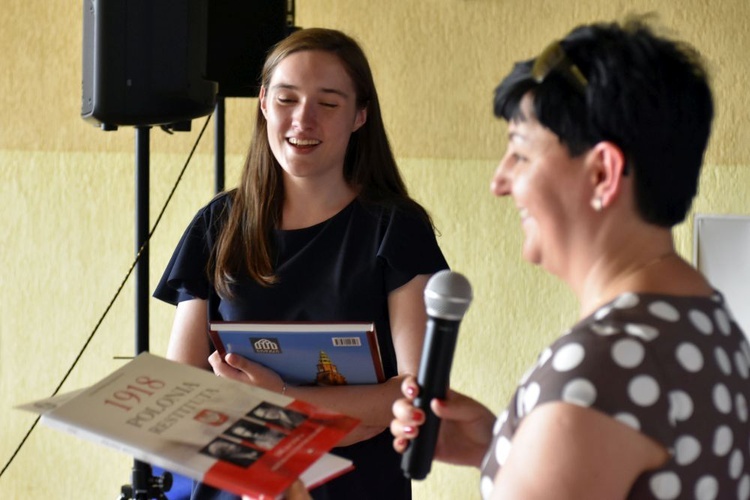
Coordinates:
x,y
674,368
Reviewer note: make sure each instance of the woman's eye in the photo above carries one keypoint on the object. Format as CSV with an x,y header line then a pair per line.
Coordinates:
x,y
329,104
284,100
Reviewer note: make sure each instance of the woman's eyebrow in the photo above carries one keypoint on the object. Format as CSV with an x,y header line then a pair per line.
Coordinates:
x,y
325,90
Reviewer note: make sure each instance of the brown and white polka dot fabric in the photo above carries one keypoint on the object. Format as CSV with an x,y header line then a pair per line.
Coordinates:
x,y
674,368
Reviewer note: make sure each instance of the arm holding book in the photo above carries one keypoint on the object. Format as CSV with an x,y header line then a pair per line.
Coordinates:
x,y
370,403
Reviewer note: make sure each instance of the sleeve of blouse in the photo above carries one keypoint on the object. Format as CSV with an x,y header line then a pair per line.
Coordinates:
x,y
186,275
409,248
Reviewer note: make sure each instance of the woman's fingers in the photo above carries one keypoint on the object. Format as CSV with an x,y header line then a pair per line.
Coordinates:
x,y
225,370
405,425
409,387
402,435
297,491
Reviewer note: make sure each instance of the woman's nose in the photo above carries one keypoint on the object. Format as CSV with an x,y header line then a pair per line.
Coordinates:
x,y
500,182
305,115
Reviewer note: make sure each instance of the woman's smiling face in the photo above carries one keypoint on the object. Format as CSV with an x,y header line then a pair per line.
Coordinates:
x,y
310,106
547,186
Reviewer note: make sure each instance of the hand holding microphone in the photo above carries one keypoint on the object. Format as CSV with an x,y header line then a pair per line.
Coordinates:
x,y
447,297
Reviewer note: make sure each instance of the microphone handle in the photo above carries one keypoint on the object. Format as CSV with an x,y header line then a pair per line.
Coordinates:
x,y
433,381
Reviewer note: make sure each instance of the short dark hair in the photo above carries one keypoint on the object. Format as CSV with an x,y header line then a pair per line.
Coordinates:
x,y
646,93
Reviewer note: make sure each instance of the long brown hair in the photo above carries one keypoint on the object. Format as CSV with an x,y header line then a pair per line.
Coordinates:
x,y
244,243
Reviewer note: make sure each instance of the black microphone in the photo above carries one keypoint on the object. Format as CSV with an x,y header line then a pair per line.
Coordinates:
x,y
447,297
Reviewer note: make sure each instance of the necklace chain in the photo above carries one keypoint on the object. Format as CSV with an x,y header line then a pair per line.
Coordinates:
x,y
617,284
651,262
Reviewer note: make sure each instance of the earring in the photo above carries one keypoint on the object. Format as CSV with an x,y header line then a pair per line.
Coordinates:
x,y
596,204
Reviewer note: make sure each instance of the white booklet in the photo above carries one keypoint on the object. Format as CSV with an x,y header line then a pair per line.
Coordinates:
x,y
230,435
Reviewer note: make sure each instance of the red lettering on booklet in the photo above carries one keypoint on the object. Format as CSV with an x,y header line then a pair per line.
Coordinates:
x,y
133,394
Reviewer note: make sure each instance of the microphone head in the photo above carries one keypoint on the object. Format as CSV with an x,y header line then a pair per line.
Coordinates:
x,y
447,295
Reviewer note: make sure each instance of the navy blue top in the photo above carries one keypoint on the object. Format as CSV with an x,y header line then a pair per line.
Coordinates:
x,y
341,269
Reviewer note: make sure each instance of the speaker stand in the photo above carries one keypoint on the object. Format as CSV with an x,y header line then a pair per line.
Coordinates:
x,y
144,485
219,144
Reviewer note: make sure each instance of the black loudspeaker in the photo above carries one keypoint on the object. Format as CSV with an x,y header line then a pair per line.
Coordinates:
x,y
144,62
240,34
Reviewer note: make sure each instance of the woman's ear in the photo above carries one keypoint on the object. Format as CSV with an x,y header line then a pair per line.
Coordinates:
x,y
360,118
606,165
262,100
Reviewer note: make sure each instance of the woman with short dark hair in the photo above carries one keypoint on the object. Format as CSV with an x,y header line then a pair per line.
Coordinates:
x,y
646,395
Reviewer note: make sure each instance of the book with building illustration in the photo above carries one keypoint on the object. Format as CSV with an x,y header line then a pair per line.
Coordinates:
x,y
306,353
231,435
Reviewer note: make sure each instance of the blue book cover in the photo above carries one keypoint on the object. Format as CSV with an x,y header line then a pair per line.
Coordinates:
x,y
306,353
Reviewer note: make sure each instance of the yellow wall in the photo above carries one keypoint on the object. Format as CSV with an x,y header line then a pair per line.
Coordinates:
x,y
68,193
